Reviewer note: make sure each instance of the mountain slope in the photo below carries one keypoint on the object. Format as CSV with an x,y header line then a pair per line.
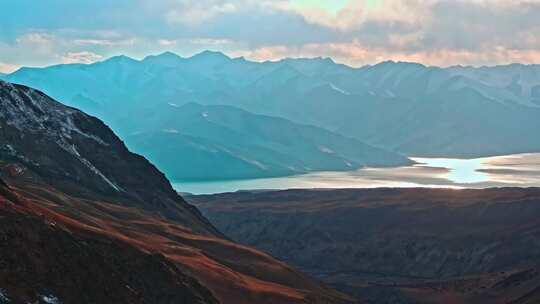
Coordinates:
x,y
406,107
62,168
67,148
108,271
396,245
409,108
214,142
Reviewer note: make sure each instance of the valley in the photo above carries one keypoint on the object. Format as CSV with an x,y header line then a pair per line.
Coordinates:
x,y
438,215
391,245
84,220
270,152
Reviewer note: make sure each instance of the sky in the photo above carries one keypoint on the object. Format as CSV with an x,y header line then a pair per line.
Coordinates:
x,y
354,32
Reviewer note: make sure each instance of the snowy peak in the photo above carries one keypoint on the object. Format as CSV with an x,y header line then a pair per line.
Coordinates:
x,y
28,113
30,110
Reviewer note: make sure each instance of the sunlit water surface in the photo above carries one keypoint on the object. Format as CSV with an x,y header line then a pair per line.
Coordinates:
x,y
517,170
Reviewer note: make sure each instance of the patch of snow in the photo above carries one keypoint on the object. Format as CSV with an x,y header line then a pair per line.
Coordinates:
x,y
293,168
33,111
390,93
173,131
10,150
73,150
3,297
13,153
50,299
256,163
334,87
253,162
326,150
205,148
70,126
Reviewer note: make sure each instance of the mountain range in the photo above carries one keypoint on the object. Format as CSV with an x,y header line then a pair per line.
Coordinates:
x,y
84,220
407,108
181,137
196,142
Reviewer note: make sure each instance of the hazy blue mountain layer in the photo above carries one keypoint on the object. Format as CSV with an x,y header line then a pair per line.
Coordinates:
x,y
406,107
212,142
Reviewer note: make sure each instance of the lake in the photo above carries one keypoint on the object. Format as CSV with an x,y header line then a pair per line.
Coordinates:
x,y
517,170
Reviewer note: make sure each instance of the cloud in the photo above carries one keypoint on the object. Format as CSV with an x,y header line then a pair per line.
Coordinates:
x,y
167,42
352,31
266,53
356,54
432,25
353,14
210,41
196,12
80,57
38,42
37,38
8,68
104,42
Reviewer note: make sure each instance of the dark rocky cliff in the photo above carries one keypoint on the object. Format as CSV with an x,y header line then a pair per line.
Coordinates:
x,y
79,154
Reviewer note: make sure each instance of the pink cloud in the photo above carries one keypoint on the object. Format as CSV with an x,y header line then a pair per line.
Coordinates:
x,y
80,57
355,54
8,68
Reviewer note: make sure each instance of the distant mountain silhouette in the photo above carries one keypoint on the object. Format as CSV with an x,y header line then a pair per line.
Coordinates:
x,y
405,107
193,141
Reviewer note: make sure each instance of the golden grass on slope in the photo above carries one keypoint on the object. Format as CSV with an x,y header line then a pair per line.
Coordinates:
x,y
234,273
